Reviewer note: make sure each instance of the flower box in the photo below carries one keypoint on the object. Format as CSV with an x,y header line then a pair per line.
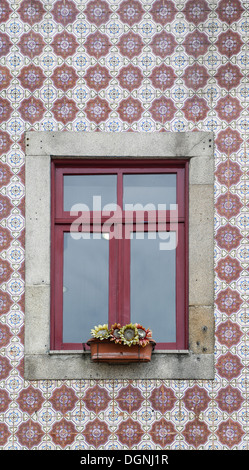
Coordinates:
x,y
115,353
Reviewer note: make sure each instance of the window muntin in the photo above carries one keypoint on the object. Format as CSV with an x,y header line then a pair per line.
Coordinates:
x,y
123,229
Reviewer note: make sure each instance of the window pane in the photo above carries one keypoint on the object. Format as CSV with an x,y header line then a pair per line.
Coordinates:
x,y
153,284
85,286
88,189
149,189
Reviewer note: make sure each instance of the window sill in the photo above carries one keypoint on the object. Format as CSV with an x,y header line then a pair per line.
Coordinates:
x,y
79,351
68,351
65,365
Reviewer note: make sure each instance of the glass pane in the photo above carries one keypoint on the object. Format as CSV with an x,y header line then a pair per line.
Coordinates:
x,y
95,191
85,286
149,189
153,284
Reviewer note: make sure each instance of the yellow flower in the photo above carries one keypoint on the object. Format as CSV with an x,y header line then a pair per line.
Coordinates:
x,y
129,334
100,332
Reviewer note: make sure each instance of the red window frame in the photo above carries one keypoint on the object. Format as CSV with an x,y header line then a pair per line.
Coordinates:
x,y
119,249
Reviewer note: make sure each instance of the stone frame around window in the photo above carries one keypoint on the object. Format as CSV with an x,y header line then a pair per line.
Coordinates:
x,y
195,363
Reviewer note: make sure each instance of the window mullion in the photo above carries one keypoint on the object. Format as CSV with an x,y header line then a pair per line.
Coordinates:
x,y
124,275
113,280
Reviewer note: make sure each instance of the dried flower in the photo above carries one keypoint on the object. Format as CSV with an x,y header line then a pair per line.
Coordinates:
x,y
100,332
129,334
143,334
115,333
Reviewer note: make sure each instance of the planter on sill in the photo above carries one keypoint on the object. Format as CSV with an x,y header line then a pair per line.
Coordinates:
x,y
112,353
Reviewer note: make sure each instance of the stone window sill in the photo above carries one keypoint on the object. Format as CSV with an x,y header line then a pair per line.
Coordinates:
x,y
78,365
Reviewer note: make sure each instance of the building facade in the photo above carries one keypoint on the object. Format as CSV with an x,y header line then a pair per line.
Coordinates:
x,y
146,67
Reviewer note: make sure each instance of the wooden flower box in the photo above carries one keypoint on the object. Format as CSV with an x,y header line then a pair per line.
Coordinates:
x,y
112,353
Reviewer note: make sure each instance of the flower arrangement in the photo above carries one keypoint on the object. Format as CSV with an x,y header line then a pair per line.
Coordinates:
x,y
132,333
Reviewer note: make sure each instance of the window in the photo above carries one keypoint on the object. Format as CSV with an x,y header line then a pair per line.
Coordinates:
x,y
119,249
53,156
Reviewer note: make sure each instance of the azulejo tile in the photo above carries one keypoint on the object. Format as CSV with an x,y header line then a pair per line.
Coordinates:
x,y
230,433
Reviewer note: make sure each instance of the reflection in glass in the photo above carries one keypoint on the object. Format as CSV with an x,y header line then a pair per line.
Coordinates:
x,y
153,286
84,189
85,287
149,189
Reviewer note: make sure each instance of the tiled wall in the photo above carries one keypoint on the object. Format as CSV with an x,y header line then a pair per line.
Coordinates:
x,y
118,66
